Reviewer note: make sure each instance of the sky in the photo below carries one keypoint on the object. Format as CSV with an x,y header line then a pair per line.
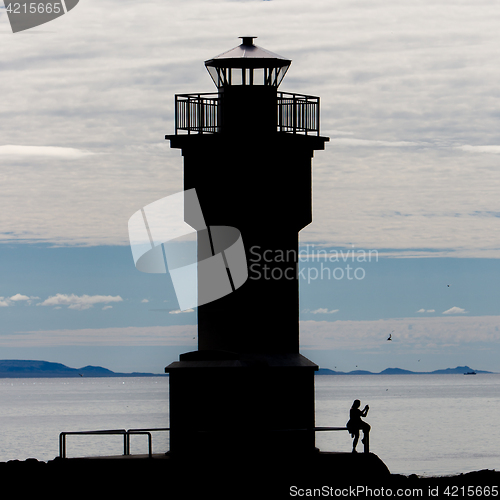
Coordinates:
x,y
405,192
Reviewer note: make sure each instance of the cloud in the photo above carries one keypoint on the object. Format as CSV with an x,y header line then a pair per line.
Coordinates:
x,y
455,310
426,310
480,149
107,307
19,297
409,334
348,141
51,151
175,335
178,311
321,311
144,301
79,302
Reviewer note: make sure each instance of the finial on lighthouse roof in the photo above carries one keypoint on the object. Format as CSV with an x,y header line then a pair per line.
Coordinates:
x,y
247,40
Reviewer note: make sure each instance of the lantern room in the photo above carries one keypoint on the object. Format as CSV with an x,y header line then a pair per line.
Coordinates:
x,y
247,64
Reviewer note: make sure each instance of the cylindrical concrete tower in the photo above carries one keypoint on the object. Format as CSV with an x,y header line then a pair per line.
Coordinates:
x,y
247,151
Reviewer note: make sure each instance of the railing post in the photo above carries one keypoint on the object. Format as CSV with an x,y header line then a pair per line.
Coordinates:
x,y
279,109
62,445
220,121
306,116
126,443
317,116
150,445
176,114
199,114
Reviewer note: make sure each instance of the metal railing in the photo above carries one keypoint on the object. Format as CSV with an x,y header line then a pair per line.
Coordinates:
x,y
365,440
298,113
202,113
127,433
195,113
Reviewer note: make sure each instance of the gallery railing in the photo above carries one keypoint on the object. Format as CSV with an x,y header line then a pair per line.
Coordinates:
x,y
202,113
298,113
198,113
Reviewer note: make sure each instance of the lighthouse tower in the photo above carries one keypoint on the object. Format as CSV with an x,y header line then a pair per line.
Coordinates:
x,y
247,151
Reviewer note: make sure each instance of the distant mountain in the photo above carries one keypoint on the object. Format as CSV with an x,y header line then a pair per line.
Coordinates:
x,y
458,369
327,371
399,371
15,368
396,371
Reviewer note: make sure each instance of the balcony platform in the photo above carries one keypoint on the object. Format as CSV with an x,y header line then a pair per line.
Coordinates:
x,y
278,139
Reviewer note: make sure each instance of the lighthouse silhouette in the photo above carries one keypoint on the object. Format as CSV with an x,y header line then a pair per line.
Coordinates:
x,y
248,152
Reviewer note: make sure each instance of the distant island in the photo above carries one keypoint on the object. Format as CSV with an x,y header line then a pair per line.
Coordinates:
x,y
14,368
459,370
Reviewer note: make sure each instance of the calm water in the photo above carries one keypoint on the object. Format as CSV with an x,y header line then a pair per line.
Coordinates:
x,y
34,411
423,424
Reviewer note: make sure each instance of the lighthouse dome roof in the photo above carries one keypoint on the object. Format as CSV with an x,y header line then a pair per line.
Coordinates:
x,y
248,54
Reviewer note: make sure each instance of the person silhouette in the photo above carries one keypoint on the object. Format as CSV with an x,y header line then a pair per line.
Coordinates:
x,y
355,423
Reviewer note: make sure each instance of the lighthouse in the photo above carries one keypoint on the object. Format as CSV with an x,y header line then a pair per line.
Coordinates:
x,y
247,151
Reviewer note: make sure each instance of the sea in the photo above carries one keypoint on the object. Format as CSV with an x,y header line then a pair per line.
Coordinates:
x,y
429,425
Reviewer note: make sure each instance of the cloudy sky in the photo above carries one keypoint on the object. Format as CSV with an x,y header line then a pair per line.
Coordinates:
x,y
409,99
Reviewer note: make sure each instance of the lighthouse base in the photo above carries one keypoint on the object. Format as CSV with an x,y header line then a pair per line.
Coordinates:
x,y
223,402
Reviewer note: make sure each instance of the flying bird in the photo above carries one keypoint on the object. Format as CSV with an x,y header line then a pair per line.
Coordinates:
x,y
389,337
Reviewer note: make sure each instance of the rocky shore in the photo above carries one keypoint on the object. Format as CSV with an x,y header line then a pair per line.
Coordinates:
x,y
236,479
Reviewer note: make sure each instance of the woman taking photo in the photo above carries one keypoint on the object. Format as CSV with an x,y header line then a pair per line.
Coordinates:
x,y
355,423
